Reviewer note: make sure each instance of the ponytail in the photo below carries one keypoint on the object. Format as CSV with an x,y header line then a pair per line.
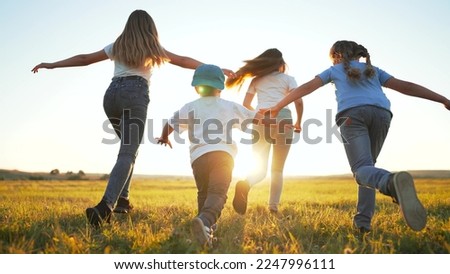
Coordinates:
x,y
346,51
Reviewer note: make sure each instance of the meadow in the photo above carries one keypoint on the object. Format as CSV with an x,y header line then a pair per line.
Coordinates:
x,y
315,218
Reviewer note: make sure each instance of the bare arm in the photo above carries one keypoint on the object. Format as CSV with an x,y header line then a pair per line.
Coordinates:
x,y
248,101
296,94
299,109
416,90
190,63
164,139
182,61
75,61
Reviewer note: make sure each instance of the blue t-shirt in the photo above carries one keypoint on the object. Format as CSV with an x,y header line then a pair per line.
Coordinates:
x,y
366,91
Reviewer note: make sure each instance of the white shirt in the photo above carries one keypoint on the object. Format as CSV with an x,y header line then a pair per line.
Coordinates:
x,y
209,121
121,70
272,88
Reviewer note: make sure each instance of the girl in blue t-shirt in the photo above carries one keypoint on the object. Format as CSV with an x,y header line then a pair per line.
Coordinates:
x,y
135,53
364,117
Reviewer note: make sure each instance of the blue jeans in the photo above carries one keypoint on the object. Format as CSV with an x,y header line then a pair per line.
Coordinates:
x,y
125,103
363,134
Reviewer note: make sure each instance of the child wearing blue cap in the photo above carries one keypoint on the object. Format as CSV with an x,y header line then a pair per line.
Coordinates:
x,y
209,121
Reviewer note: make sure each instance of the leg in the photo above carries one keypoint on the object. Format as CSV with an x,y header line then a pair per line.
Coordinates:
x,y
362,150
220,174
201,176
212,172
283,140
132,128
125,103
365,208
123,203
261,150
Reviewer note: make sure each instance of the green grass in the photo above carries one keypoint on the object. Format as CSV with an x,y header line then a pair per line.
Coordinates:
x,y
315,217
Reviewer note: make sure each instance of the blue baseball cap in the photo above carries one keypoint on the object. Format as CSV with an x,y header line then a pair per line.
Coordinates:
x,y
209,75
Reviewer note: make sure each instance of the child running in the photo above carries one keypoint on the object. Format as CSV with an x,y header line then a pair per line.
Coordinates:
x,y
135,53
364,117
209,121
271,84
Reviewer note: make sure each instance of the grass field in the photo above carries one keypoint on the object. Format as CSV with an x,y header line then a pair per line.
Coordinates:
x,y
315,218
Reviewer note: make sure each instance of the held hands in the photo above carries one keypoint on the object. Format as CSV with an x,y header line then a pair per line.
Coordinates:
x,y
229,73
272,111
163,141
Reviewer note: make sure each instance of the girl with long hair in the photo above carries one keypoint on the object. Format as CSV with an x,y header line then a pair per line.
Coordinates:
x,y
135,53
270,84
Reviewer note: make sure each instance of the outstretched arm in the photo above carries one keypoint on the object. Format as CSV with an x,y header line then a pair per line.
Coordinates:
x,y
296,94
164,139
182,61
190,63
416,90
75,61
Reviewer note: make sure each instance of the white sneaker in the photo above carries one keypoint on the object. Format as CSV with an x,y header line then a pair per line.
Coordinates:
x,y
202,233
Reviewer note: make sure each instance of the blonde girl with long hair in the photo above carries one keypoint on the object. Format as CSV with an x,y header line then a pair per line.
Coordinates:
x,y
270,84
135,53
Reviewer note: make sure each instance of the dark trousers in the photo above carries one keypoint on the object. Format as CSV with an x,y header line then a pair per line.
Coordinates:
x,y
125,103
212,173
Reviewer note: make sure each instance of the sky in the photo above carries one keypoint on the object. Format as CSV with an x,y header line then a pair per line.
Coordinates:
x,y
55,119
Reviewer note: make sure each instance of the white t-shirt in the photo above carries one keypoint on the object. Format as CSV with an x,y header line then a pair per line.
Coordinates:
x,y
271,89
121,70
209,121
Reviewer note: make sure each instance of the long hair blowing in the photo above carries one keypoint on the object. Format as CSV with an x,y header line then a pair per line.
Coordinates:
x,y
346,51
267,62
138,45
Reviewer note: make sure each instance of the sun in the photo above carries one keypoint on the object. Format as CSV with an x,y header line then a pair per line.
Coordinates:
x,y
245,162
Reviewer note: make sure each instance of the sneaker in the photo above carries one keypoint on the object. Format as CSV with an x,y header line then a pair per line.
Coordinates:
x,y
214,228
402,190
123,206
240,197
202,234
362,229
98,214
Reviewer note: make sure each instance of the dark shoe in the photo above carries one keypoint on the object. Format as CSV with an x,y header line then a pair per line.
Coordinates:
x,y
123,206
240,197
202,234
363,230
391,189
402,190
98,214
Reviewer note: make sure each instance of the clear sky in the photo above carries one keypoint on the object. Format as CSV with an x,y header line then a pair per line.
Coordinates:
x,y
55,119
